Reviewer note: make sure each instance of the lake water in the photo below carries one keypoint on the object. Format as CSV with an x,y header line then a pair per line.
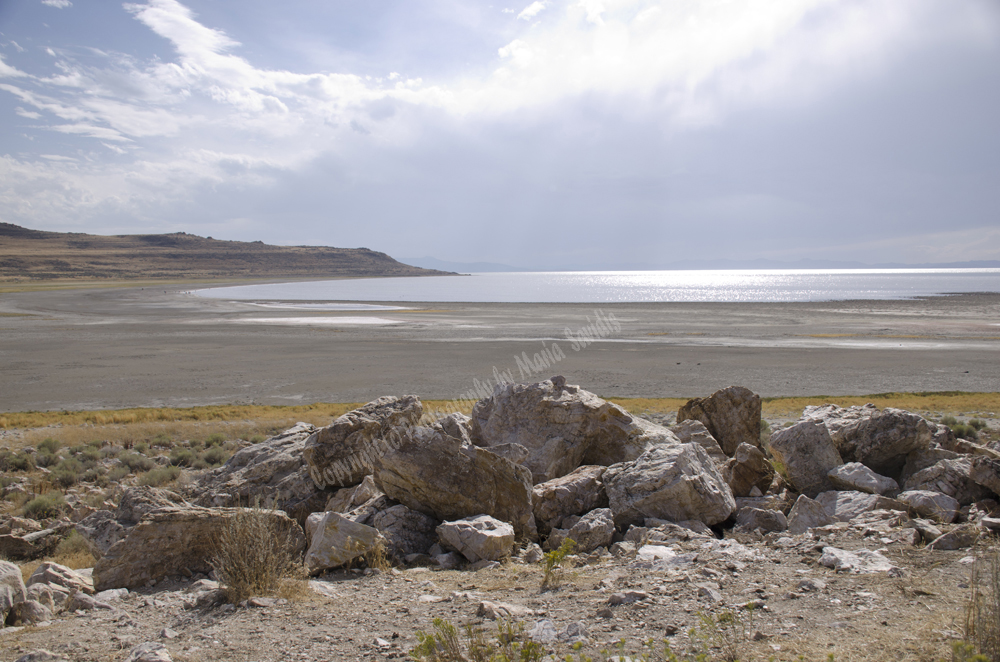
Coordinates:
x,y
626,287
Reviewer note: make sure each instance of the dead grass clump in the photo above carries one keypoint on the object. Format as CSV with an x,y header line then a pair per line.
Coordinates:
x,y
252,554
982,613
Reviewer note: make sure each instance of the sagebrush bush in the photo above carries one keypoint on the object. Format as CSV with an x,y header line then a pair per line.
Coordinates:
x,y
16,461
215,439
49,445
45,506
117,474
252,553
215,456
182,457
46,459
160,476
136,463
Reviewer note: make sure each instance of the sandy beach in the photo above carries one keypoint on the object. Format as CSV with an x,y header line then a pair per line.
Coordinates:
x,y
163,346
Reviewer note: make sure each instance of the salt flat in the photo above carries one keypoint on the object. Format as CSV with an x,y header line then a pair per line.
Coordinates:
x,y
162,346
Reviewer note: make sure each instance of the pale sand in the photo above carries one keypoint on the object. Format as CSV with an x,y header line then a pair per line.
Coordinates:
x,y
114,348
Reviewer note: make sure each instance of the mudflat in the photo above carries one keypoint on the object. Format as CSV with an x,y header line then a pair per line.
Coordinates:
x,y
165,346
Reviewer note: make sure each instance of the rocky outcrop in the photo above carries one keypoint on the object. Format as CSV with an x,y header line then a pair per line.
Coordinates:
x,y
986,472
406,531
478,538
754,519
12,589
732,416
674,483
575,493
563,427
693,430
103,529
100,531
934,505
807,514
951,477
335,540
844,506
347,450
593,530
347,499
856,476
272,472
59,575
174,540
878,439
437,475
747,469
807,453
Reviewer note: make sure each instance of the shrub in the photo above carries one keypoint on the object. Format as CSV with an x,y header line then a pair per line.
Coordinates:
x,y
257,438
110,452
16,462
252,554
45,506
215,439
141,447
49,445
949,420
162,440
117,473
46,459
444,644
964,431
982,612
215,456
68,471
88,456
182,457
159,476
977,424
765,432
728,632
552,560
136,462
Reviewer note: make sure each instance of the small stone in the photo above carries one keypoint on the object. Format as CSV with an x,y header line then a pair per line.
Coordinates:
x,y
167,633
627,597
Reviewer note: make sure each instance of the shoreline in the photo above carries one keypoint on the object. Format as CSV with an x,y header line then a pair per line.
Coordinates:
x,y
114,348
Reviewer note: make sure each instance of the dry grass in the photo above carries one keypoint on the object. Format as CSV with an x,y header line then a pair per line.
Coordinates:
x,y
252,554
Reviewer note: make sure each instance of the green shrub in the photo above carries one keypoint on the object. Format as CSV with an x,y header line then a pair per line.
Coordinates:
x,y
49,445
16,461
136,463
215,456
508,644
257,438
45,506
977,424
963,431
117,473
88,455
159,476
96,476
949,420
72,544
215,439
97,444
162,440
141,447
110,452
552,560
182,457
46,459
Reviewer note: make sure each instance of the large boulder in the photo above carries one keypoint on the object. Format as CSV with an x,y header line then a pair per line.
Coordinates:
x,y
59,575
935,505
336,540
693,430
732,416
575,493
752,519
347,450
100,531
177,539
437,475
747,469
348,498
563,427
951,477
593,530
856,476
478,538
674,483
406,531
103,529
878,439
807,453
920,459
12,589
272,472
807,514
986,472
844,506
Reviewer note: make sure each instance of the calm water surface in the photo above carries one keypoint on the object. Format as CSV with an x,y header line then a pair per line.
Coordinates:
x,y
631,286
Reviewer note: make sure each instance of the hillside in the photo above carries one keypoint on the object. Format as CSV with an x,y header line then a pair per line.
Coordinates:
x,y
38,255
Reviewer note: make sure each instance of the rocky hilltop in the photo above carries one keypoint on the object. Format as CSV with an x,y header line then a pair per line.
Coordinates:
x,y
34,254
848,532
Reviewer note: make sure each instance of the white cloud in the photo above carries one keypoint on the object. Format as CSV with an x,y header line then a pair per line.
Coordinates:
x,y
30,114
532,10
57,157
58,4
7,71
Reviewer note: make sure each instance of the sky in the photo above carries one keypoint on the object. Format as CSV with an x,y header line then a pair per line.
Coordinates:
x,y
555,134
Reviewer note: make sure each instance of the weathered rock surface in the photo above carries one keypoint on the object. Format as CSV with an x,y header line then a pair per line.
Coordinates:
x,y
60,575
406,531
41,656
747,469
807,452
173,539
878,439
478,538
435,474
935,505
458,426
28,612
731,415
562,426
857,477
33,545
573,494
862,561
751,519
347,450
149,652
336,540
137,502
593,530
919,460
693,430
100,531
674,483
986,472
951,477
271,472
348,498
844,506
807,514
12,589
958,538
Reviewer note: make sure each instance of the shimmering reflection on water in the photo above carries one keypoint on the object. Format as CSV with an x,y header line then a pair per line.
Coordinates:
x,y
633,286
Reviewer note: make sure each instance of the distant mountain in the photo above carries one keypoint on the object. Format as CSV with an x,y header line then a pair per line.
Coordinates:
x,y
34,254
460,267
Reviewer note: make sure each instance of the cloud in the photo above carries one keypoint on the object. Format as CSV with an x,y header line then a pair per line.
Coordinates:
x,y
7,71
532,10
58,4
